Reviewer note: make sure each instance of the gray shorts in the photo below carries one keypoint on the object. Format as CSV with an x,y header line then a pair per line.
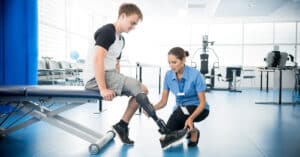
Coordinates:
x,y
121,84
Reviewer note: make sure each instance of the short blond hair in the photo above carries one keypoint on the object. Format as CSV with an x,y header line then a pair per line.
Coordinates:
x,y
129,9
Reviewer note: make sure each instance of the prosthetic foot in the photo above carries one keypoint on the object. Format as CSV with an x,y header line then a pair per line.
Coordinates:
x,y
143,100
172,139
169,138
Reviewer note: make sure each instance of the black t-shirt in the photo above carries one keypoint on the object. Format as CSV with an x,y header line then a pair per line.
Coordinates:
x,y
106,36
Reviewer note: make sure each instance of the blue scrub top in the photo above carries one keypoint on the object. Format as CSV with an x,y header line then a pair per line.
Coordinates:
x,y
186,90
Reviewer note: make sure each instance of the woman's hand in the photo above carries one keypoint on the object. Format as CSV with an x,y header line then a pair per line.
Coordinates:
x,y
189,123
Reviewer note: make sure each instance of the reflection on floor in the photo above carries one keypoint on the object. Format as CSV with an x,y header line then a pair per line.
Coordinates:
x,y
236,127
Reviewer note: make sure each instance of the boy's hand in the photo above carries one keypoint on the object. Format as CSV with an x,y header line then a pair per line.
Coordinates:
x,y
108,94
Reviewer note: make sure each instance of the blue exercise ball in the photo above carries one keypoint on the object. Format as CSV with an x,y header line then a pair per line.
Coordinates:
x,y
74,55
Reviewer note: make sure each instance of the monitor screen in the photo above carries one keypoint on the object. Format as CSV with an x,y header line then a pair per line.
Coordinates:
x,y
229,72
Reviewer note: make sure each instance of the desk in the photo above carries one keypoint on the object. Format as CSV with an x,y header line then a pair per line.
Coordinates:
x,y
280,84
264,69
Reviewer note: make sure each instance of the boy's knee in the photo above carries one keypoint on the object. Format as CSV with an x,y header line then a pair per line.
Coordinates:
x,y
133,87
144,89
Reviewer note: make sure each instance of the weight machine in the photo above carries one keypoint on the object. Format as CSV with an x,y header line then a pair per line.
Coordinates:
x,y
231,72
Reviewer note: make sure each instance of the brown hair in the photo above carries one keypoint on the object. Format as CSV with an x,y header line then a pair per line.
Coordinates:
x,y
179,53
129,9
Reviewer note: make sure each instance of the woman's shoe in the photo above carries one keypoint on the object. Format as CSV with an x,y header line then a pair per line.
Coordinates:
x,y
195,143
188,136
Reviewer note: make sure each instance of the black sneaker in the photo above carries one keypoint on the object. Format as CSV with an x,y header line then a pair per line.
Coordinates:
x,y
122,133
173,138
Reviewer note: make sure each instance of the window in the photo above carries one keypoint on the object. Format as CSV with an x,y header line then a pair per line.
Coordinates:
x,y
258,33
285,32
298,35
254,55
298,55
226,33
229,55
197,32
63,27
52,42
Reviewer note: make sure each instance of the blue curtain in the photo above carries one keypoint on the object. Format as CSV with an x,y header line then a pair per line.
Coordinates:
x,y
1,42
18,42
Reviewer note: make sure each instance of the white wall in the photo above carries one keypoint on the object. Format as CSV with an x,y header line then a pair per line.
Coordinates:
x,y
65,26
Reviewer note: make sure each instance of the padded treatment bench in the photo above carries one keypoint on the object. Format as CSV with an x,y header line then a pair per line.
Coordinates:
x,y
35,100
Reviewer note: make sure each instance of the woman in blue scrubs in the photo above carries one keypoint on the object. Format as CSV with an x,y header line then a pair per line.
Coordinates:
x,y
188,85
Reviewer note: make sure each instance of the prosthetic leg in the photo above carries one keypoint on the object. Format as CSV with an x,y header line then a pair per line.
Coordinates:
x,y
143,100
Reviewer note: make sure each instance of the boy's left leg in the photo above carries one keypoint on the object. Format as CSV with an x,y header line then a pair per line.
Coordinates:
x,y
122,126
134,88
